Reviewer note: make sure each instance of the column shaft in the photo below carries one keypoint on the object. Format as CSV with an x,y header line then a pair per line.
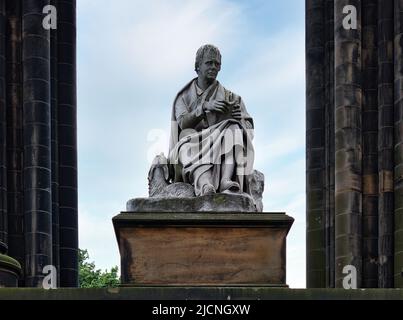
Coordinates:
x,y
37,142
315,136
55,147
398,146
348,147
15,143
3,145
370,144
330,136
385,142
67,140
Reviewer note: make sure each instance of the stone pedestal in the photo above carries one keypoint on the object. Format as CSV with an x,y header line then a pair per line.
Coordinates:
x,y
203,248
10,271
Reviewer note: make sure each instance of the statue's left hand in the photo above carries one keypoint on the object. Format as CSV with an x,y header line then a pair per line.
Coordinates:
x,y
236,112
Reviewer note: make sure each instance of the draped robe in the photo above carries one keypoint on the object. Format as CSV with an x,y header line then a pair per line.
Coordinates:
x,y
193,151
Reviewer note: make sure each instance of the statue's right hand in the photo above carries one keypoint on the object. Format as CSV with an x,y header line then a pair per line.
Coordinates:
x,y
216,106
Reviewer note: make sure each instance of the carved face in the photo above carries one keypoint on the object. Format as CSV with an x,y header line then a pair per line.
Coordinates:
x,y
210,66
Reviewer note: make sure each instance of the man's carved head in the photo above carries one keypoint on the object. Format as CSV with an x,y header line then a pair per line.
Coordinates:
x,y
207,50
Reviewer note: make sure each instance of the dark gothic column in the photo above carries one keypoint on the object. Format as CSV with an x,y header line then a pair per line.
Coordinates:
x,y
55,148
330,136
370,144
348,148
37,142
67,119
315,136
16,239
3,161
398,146
385,142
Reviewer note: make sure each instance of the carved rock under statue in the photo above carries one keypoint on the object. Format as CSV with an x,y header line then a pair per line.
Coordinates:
x,y
180,196
202,223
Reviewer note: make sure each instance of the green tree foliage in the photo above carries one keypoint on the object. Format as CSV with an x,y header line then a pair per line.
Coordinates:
x,y
90,277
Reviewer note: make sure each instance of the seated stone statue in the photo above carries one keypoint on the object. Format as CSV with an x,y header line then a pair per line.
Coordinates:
x,y
211,148
211,137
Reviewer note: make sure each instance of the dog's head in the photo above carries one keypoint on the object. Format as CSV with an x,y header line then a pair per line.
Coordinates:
x,y
159,162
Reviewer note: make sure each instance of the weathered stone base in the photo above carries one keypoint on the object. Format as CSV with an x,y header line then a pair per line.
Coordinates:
x,y
10,271
203,248
219,202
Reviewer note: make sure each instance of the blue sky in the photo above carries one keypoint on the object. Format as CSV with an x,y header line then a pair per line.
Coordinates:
x,y
133,57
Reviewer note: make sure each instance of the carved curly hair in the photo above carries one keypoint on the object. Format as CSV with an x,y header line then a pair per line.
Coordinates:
x,y
204,50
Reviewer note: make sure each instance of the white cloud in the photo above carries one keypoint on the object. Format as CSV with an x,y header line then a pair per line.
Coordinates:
x,y
283,182
158,39
270,152
276,65
164,39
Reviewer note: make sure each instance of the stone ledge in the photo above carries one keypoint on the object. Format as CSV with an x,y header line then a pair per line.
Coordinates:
x,y
268,219
200,293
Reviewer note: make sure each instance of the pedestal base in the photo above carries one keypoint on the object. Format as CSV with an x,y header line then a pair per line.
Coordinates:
x,y
202,248
10,270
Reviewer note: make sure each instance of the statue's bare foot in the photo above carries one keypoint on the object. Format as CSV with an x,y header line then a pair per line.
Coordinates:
x,y
208,189
228,185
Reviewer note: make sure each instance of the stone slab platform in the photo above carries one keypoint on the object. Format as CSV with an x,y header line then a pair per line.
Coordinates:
x,y
219,202
199,293
203,248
